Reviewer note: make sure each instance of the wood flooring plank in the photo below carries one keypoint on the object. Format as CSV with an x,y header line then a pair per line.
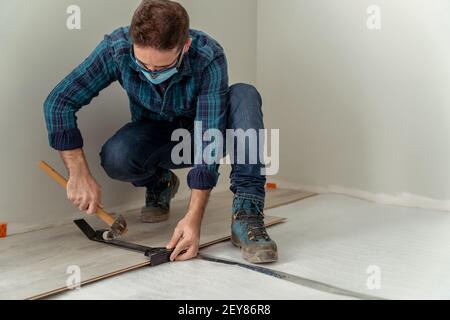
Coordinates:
x,y
34,265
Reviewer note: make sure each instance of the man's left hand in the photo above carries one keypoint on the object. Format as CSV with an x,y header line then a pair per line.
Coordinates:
x,y
186,237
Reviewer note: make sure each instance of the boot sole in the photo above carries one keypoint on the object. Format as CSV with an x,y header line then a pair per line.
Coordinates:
x,y
153,219
161,217
260,257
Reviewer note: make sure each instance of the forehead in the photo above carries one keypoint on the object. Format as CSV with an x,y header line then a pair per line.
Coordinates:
x,y
153,56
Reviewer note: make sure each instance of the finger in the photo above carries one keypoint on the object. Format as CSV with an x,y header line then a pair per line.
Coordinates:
x,y
182,245
69,194
98,197
83,205
190,254
175,238
92,209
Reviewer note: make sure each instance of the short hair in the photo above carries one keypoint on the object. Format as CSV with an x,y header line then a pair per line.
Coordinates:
x,y
160,24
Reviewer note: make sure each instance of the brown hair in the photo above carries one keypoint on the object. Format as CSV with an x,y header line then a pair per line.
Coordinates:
x,y
160,24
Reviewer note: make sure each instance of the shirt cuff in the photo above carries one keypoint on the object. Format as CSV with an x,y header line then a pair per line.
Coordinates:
x,y
66,140
201,178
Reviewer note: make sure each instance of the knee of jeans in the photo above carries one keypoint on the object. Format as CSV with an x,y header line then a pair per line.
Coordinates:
x,y
245,106
245,92
115,160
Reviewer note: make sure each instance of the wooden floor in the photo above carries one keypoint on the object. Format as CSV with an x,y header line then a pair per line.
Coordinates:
x,y
34,265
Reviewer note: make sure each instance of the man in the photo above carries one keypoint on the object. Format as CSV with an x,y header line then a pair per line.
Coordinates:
x,y
173,76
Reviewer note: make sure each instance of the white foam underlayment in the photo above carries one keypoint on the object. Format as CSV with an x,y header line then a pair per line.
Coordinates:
x,y
330,238
403,199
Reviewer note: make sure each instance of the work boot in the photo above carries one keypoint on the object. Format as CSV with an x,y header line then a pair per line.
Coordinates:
x,y
249,233
158,197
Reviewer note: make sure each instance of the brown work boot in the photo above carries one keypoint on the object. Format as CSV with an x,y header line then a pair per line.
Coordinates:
x,y
157,199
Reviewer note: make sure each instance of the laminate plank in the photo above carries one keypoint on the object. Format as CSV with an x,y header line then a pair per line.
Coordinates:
x,y
34,265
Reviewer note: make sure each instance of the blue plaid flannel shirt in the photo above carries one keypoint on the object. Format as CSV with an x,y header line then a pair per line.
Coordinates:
x,y
198,91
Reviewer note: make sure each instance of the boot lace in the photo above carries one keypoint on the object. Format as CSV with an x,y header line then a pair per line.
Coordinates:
x,y
254,223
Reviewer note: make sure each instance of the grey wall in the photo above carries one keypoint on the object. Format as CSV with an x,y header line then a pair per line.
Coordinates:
x,y
362,110
38,51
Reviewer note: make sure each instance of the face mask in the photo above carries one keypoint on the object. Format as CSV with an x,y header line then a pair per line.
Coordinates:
x,y
159,77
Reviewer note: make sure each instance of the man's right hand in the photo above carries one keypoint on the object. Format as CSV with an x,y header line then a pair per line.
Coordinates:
x,y
82,189
84,192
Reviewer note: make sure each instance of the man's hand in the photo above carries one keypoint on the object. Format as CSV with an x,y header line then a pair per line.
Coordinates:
x,y
186,237
82,189
84,192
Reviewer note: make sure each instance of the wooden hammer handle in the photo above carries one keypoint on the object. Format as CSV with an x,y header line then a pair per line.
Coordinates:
x,y
52,173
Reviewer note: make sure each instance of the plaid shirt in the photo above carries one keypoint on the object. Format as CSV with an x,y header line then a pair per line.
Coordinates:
x,y
198,91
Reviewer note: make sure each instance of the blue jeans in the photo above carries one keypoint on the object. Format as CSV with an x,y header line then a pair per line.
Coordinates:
x,y
139,151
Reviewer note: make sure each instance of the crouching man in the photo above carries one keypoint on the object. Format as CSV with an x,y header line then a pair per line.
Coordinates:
x,y
173,76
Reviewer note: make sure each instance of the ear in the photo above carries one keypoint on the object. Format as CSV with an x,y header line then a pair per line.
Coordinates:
x,y
187,45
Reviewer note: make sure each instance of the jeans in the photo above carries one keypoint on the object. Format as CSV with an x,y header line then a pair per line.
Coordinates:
x,y
139,150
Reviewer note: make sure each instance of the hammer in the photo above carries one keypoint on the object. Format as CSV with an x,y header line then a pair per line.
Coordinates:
x,y
118,226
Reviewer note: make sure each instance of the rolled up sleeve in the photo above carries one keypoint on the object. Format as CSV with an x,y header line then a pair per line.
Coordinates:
x,y
77,90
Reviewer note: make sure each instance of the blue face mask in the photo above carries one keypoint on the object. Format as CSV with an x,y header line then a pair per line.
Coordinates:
x,y
159,77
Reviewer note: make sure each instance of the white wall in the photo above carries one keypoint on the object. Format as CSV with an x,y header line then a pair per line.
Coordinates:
x,y
362,112
38,51
233,23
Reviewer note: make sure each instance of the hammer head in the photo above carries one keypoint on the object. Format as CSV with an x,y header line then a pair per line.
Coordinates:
x,y
118,228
